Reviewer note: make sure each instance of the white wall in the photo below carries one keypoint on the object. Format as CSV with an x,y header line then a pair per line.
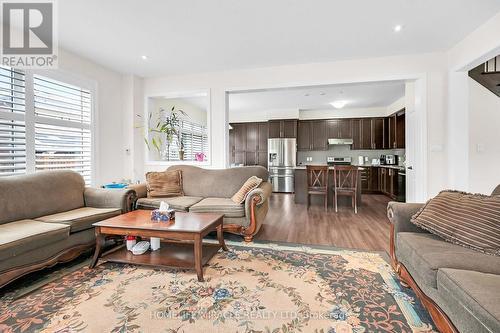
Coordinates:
x,y
484,139
429,67
109,122
478,47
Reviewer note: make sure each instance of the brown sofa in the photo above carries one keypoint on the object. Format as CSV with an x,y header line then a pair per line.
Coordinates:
x,y
208,190
46,218
459,287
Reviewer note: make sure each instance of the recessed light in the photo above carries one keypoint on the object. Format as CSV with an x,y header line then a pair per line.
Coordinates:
x,y
144,57
338,104
398,28
306,94
322,93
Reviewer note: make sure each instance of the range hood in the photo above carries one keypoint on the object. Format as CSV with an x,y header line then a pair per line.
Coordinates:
x,y
340,141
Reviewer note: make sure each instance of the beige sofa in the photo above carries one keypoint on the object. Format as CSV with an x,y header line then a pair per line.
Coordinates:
x,y
459,287
208,190
46,218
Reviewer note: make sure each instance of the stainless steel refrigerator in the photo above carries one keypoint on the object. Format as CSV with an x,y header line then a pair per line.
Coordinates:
x,y
282,155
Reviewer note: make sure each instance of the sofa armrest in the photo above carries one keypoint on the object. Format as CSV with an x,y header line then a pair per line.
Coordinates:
x,y
141,190
256,207
110,198
400,213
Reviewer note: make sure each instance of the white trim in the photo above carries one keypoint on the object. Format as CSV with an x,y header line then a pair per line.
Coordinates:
x,y
179,94
29,109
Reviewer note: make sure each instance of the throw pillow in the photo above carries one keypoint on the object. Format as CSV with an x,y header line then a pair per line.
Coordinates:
x,y
164,184
469,220
250,184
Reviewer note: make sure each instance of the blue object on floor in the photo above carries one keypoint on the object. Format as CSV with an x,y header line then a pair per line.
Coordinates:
x,y
116,185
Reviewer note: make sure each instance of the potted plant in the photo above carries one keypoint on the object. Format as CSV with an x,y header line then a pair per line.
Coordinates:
x,y
163,130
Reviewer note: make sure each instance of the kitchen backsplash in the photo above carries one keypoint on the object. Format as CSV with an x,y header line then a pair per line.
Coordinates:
x,y
345,151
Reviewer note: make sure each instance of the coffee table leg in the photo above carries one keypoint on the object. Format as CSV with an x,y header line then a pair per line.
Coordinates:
x,y
197,257
100,240
220,237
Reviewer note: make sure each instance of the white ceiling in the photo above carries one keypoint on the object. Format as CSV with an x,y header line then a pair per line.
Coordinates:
x,y
209,35
363,95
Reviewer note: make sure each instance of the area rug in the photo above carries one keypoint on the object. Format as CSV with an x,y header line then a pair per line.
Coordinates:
x,y
252,288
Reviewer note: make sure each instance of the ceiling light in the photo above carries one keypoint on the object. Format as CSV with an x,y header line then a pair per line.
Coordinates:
x,y
144,57
306,94
322,93
338,104
398,28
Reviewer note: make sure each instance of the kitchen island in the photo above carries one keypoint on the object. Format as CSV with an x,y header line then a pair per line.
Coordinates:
x,y
301,188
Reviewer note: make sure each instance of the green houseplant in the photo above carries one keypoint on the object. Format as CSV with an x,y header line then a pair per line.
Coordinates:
x,y
163,130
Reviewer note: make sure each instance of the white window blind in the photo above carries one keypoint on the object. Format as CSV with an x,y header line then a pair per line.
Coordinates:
x,y
195,139
12,123
62,126
58,119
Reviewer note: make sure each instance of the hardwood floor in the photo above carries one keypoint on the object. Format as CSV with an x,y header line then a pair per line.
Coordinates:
x,y
290,222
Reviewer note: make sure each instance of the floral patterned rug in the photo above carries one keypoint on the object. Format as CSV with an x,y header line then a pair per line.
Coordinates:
x,y
252,288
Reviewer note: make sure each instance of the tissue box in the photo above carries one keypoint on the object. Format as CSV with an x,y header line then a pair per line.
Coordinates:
x,y
163,216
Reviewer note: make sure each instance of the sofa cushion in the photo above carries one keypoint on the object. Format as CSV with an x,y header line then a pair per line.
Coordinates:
x,y
38,194
470,220
81,218
427,253
472,299
251,183
178,203
22,236
164,184
224,206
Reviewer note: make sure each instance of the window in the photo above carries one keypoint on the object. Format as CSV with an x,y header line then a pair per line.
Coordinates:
x,y
194,138
58,119
12,123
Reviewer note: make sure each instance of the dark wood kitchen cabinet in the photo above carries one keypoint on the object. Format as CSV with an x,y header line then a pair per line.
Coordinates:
x,y
356,134
248,143
369,180
286,128
388,182
400,139
312,135
339,129
377,133
395,131
366,133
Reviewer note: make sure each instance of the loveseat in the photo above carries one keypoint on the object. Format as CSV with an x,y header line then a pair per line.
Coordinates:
x,y
210,191
46,218
460,287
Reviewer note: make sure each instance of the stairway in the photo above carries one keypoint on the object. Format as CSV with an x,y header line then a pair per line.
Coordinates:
x,y
488,75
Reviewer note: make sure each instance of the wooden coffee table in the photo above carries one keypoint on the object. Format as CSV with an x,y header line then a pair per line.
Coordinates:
x,y
182,239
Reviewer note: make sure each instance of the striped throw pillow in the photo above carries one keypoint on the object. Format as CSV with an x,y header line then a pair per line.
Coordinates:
x,y
469,220
164,184
250,184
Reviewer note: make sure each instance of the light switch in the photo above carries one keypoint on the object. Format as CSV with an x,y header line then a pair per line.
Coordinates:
x,y
481,148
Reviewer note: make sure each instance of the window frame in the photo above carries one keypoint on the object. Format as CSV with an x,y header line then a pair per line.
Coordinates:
x,y
148,160
30,117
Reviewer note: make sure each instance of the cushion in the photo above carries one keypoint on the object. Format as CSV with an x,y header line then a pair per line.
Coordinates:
x,y
251,183
496,191
81,218
224,206
470,220
164,184
22,236
178,203
25,197
424,254
472,299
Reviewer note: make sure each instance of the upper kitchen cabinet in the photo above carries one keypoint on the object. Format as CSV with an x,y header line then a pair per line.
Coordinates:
x,y
282,128
312,135
377,133
400,130
339,129
366,133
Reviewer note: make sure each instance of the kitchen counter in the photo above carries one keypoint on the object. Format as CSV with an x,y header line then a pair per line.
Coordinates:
x,y
332,167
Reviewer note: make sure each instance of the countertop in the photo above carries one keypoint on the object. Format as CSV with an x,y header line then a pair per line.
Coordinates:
x,y
361,167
